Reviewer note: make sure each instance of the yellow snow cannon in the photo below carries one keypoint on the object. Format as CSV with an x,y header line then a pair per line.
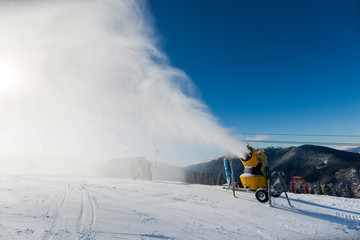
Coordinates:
x,y
257,177
254,176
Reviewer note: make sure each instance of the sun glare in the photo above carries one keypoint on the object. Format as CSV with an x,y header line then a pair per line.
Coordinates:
x,y
7,77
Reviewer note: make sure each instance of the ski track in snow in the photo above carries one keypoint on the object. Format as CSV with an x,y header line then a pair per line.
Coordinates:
x,y
60,207
84,225
61,218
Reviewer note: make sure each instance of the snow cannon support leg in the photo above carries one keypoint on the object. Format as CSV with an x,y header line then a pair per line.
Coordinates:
x,y
268,180
232,180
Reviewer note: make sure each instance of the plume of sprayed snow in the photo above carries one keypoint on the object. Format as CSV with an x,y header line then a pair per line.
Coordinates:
x,y
91,85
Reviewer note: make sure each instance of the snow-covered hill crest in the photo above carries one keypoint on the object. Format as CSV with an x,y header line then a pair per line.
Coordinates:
x,y
353,149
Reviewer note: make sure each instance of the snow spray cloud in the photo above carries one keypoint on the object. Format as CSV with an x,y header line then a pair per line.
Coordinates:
x,y
84,82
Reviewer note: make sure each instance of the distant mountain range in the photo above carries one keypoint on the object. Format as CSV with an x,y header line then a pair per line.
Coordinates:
x,y
326,170
322,167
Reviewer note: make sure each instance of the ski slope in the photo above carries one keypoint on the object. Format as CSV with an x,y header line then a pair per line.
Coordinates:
x,y
62,207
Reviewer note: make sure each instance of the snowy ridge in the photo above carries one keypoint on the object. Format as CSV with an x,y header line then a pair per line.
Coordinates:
x,y
211,159
54,207
353,149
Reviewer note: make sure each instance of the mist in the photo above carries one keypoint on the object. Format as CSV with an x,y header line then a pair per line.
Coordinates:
x,y
86,82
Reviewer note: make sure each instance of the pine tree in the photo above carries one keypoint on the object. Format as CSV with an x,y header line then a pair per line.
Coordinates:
x,y
212,179
327,190
347,192
222,179
319,189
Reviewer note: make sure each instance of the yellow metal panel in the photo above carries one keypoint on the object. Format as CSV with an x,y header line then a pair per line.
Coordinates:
x,y
252,181
256,158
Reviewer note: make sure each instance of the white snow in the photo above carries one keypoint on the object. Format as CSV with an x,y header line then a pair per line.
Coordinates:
x,y
63,207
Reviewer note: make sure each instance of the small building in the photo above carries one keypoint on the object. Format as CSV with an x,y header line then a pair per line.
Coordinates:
x,y
133,168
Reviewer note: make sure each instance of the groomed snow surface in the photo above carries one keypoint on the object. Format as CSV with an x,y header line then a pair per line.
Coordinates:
x,y
62,207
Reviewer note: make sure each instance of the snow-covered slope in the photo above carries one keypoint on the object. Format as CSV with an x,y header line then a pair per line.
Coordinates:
x,y
59,207
353,149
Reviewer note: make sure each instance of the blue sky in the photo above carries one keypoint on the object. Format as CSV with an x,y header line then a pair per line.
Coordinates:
x,y
268,66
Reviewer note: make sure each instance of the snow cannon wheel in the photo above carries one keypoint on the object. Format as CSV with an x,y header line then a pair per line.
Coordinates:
x,y
262,195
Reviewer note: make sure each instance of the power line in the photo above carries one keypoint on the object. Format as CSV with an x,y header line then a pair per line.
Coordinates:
x,y
299,134
300,142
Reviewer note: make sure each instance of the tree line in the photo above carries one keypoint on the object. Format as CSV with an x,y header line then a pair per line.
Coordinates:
x,y
326,189
205,177
209,178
